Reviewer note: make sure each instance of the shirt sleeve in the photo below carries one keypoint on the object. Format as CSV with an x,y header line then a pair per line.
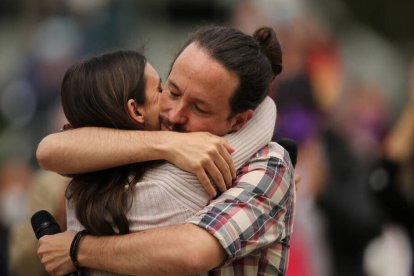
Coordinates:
x,y
258,210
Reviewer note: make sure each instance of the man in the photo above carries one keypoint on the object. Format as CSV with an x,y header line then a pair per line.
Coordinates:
x,y
215,83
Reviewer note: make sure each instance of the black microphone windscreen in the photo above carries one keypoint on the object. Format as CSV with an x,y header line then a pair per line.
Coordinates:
x,y
43,223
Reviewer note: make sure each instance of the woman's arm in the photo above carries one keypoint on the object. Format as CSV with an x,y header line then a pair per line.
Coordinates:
x,y
91,149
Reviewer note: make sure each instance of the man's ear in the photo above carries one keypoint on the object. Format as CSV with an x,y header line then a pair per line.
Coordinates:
x,y
135,111
239,120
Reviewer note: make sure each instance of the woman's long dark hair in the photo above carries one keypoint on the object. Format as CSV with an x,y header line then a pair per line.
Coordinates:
x,y
95,92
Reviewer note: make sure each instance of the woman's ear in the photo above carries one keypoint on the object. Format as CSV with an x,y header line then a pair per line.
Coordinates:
x,y
135,111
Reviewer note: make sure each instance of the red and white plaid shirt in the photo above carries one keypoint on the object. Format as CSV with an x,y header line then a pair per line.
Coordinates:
x,y
253,220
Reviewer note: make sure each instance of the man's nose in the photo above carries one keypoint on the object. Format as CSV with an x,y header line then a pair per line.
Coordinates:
x,y
178,116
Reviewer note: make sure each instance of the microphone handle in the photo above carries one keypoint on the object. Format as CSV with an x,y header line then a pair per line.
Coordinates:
x,y
47,226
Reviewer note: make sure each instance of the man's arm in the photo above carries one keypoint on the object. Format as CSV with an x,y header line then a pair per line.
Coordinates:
x,y
91,149
188,249
173,250
258,211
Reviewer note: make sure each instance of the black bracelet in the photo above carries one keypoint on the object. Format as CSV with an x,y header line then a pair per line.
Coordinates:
x,y
74,248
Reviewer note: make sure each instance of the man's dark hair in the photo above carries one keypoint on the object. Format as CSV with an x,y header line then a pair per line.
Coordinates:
x,y
255,59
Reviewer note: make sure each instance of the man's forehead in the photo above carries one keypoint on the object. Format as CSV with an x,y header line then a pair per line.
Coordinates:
x,y
196,92
195,58
201,78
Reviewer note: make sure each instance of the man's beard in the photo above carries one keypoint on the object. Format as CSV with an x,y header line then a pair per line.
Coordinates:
x,y
174,127
178,128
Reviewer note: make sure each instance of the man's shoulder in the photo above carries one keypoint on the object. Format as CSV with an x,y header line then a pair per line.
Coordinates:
x,y
273,150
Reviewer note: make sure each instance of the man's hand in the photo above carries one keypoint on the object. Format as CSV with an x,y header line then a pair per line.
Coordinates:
x,y
204,154
54,253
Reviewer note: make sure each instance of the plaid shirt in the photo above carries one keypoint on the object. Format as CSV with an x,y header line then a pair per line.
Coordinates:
x,y
253,220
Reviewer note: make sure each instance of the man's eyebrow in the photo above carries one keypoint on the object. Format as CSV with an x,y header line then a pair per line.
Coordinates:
x,y
175,86
203,102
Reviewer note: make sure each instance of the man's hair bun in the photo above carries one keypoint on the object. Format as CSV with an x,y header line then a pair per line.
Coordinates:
x,y
271,47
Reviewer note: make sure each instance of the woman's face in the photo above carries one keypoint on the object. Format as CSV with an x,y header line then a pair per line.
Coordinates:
x,y
153,91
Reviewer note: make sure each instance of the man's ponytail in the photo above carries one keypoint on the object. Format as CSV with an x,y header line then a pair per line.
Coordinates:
x,y
271,47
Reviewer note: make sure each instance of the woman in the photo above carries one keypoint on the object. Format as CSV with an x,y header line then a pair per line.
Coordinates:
x,y
116,90
121,90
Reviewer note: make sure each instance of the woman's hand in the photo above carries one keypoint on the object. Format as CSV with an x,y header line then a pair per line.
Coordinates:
x,y
206,155
54,253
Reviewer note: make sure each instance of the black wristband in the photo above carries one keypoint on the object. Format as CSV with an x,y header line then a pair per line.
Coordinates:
x,y
75,246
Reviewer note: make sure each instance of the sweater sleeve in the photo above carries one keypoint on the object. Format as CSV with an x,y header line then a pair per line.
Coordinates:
x,y
256,134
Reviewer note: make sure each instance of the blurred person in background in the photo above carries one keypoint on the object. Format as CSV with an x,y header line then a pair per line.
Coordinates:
x,y
353,218
14,179
45,191
391,182
300,118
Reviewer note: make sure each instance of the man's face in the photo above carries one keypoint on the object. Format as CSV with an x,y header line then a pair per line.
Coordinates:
x,y
197,94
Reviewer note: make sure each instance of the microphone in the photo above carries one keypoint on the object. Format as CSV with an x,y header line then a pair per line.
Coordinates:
x,y
291,147
43,223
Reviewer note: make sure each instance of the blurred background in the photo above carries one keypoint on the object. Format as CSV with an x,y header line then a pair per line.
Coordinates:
x,y
346,96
